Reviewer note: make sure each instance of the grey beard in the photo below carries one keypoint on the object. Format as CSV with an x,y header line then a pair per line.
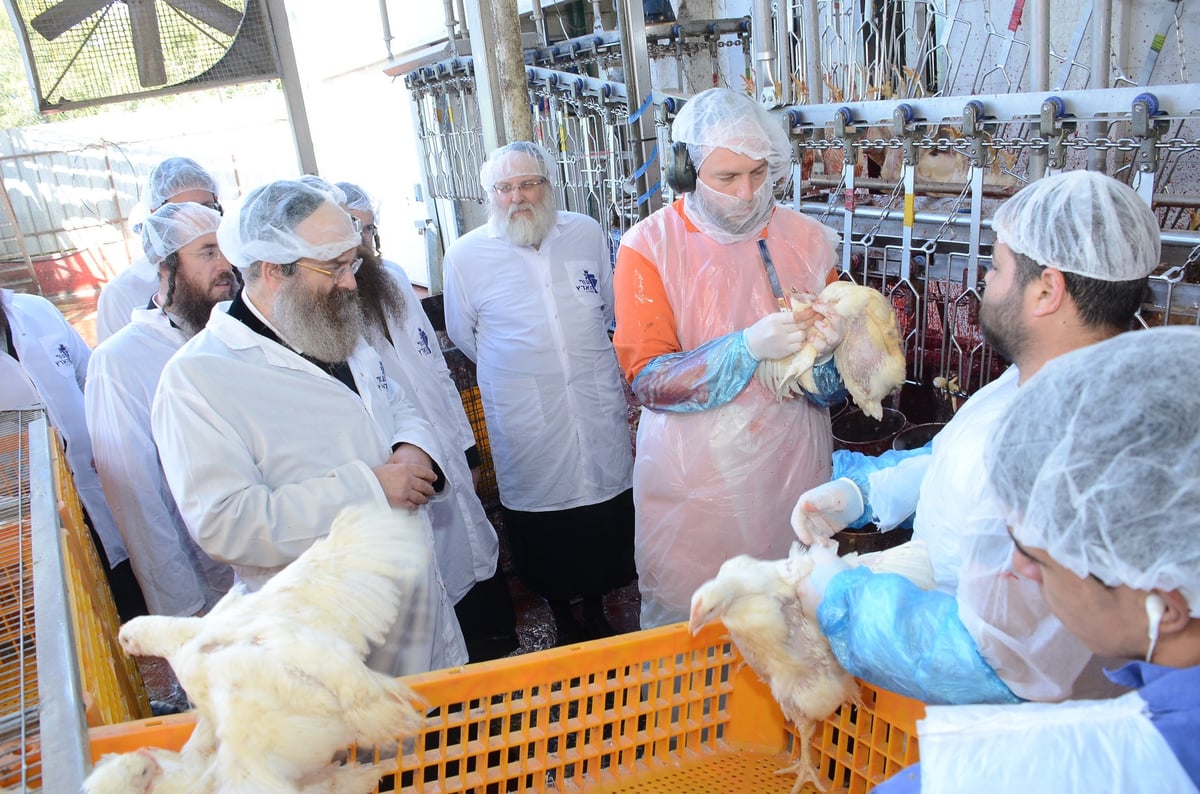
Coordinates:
x,y
532,230
326,327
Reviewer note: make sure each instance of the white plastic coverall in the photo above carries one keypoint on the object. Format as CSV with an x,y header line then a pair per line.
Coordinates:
x,y
1080,746
716,483
1008,630
263,449
467,545
54,357
129,290
536,323
176,577
971,553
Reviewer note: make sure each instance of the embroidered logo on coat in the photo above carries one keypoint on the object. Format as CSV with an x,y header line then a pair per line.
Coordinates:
x,y
62,357
589,283
423,343
381,380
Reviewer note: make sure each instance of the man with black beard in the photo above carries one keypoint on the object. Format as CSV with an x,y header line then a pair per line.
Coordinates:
x,y
529,299
1069,266
176,577
176,180
468,548
278,415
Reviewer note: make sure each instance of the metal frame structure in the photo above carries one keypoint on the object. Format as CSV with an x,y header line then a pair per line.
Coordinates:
x,y
901,142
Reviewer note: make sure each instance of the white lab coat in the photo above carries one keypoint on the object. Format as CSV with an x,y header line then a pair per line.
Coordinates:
x,y
536,323
467,545
262,450
54,358
965,530
1083,746
176,576
130,289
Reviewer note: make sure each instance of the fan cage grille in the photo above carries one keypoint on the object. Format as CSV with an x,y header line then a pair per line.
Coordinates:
x,y
95,61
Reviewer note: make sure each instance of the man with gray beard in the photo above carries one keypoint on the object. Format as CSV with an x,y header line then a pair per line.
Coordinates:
x,y
529,299
278,415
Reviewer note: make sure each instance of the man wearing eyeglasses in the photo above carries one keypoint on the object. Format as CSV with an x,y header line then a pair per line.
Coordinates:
x,y
174,180
278,415
529,299
176,576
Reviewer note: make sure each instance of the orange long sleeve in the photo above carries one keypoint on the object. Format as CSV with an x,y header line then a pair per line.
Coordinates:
x,y
645,319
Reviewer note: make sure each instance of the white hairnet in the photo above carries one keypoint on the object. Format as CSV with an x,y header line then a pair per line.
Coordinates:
x,y
172,226
1098,459
173,176
520,158
723,118
263,227
357,199
1082,222
325,186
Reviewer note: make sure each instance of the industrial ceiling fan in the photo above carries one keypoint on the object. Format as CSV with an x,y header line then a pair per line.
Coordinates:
x,y
143,21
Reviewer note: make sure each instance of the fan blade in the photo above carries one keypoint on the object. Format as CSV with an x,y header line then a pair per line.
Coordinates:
x,y
213,13
61,17
147,45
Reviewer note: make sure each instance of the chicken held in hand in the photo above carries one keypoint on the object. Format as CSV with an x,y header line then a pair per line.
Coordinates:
x,y
758,602
868,354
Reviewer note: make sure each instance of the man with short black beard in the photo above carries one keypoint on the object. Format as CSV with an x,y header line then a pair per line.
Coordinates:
x,y
278,415
176,577
529,298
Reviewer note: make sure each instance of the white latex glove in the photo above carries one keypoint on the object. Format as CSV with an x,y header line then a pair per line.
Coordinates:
x,y
826,333
826,565
826,509
775,336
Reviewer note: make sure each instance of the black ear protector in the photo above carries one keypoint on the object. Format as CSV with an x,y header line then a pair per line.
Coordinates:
x,y
681,171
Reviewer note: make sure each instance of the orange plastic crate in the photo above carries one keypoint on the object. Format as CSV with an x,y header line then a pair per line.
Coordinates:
x,y
654,711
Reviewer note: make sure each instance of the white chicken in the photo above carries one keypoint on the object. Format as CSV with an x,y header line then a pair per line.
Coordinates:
x,y
152,770
277,676
758,602
869,357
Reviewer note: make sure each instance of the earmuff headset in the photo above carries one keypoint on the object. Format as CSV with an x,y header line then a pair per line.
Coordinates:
x,y
681,171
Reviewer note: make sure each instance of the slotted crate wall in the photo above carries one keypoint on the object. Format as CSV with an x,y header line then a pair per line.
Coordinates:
x,y
653,711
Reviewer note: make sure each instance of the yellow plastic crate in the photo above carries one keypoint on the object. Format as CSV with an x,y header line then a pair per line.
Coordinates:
x,y
654,711
112,684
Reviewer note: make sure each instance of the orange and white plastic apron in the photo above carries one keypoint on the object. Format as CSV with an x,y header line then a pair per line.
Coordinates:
x,y
717,483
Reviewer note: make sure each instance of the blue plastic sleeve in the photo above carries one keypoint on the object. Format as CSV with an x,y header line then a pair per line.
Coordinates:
x,y
830,388
696,380
857,467
889,632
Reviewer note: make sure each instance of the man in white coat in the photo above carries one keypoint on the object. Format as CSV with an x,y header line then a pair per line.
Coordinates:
x,y
1070,265
45,361
176,576
529,299
467,546
278,415
174,180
